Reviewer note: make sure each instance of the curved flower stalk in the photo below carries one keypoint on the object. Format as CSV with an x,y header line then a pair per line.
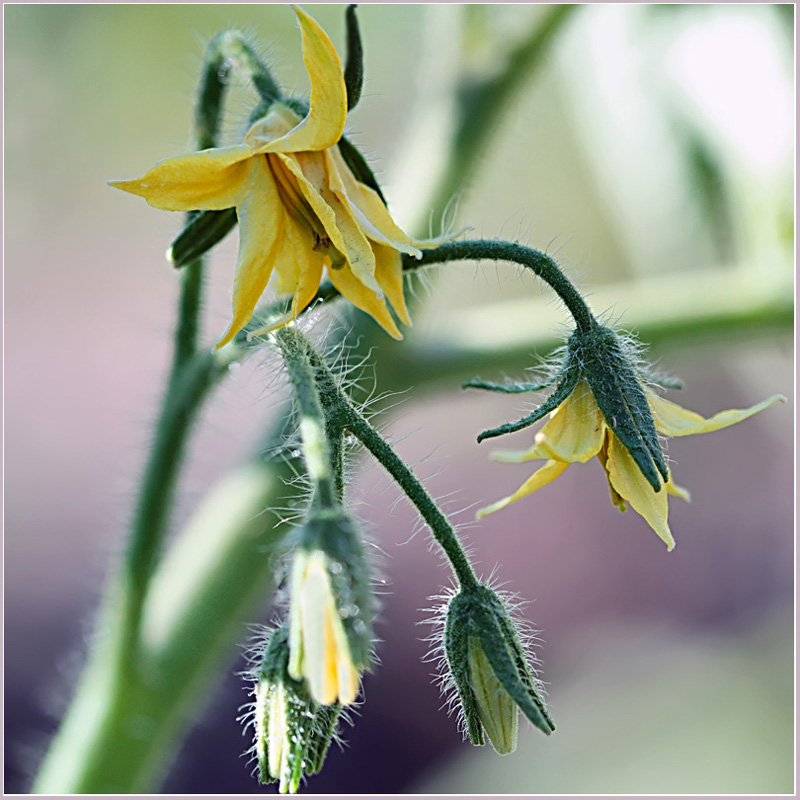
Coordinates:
x,y
300,207
608,413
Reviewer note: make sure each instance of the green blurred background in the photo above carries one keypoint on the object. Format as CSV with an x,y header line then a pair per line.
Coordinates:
x,y
653,150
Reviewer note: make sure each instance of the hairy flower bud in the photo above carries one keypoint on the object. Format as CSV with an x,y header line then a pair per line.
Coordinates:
x,y
331,608
293,732
488,666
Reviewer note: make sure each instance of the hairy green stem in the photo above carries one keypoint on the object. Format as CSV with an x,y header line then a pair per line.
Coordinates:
x,y
314,425
340,409
539,263
441,529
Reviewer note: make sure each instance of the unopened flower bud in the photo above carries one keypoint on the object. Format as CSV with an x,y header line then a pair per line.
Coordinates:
x,y
293,732
488,665
331,609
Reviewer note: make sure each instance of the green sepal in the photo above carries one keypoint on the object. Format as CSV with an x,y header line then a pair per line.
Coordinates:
x,y
358,166
203,230
567,381
478,612
509,388
335,533
618,392
354,65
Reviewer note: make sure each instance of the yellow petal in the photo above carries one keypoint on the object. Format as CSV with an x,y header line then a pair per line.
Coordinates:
x,y
342,229
298,268
367,206
544,475
261,224
627,481
350,287
389,274
602,457
673,420
324,125
319,656
575,431
210,180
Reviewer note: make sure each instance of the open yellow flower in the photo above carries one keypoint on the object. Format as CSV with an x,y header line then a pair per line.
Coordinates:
x,y
577,431
300,209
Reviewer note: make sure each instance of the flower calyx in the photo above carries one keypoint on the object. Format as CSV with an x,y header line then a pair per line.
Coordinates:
x,y
293,732
331,608
490,671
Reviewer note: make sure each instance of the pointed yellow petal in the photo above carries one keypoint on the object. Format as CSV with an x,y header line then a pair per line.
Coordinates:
x,y
673,420
627,481
678,491
544,475
575,431
261,218
389,274
602,457
309,169
350,287
324,125
367,206
210,180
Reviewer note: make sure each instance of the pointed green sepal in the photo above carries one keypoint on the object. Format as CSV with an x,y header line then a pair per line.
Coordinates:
x,y
203,230
617,389
354,65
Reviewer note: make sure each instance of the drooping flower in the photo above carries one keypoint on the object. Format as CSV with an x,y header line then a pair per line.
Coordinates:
x,y
578,431
300,208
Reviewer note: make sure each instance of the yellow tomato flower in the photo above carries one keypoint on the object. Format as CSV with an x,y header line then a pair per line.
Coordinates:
x,y
299,206
318,644
577,431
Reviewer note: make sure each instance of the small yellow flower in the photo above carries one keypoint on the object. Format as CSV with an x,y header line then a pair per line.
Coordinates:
x,y
300,209
577,431
318,644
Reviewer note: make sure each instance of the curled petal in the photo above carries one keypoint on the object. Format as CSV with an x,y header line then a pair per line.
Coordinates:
x,y
324,125
627,481
544,475
575,431
298,268
210,180
673,420
367,206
